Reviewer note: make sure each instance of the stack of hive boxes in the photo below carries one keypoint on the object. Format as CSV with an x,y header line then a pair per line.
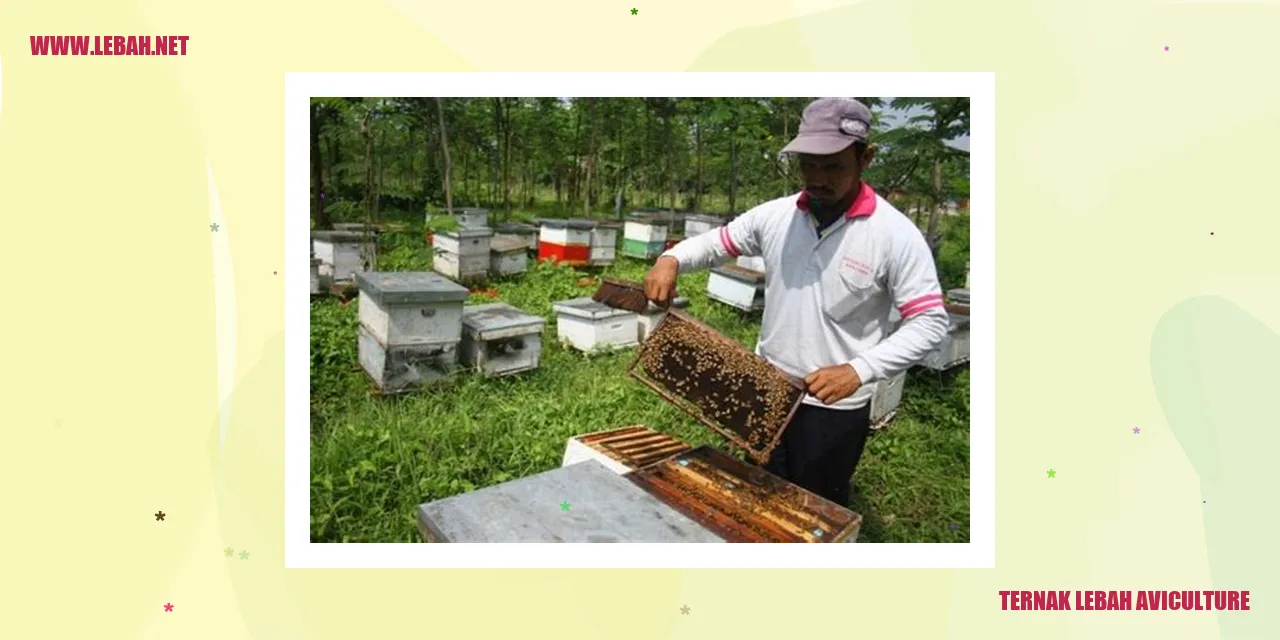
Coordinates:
x,y
464,254
410,327
566,241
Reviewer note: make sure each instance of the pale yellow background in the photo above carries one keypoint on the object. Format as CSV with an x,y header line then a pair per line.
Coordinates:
x,y
1115,160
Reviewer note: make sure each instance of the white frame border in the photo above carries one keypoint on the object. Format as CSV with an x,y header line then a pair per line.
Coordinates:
x,y
300,552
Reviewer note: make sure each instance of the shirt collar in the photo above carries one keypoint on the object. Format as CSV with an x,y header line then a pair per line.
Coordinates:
x,y
864,204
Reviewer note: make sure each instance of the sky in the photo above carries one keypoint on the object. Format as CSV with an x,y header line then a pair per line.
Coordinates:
x,y
896,116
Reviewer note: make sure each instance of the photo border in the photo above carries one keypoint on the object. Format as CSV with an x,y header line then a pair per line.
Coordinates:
x,y
300,552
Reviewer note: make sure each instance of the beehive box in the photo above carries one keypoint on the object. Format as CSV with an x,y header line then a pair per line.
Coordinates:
x,y
958,296
754,263
567,241
410,308
672,241
472,218
316,287
499,339
644,238
698,224
584,502
718,382
743,503
648,320
588,325
954,349
508,256
355,227
464,242
604,244
402,369
885,400
622,450
341,255
462,268
737,287
526,233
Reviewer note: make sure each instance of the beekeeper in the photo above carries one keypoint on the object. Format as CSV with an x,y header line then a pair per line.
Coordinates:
x,y
838,257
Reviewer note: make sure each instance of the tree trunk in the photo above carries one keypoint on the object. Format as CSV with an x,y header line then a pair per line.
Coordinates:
x,y
733,173
506,161
591,158
444,147
317,169
936,215
366,134
671,151
697,144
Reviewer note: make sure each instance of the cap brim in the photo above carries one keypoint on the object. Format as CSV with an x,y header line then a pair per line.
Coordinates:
x,y
819,144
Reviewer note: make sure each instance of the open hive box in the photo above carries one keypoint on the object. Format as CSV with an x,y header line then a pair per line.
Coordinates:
x,y
742,503
718,382
624,449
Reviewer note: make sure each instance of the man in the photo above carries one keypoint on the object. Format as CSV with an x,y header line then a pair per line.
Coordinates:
x,y
837,258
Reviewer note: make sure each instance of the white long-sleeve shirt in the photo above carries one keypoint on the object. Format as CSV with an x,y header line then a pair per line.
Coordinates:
x,y
828,294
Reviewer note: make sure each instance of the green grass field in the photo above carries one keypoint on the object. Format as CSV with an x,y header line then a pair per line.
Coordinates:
x,y
375,459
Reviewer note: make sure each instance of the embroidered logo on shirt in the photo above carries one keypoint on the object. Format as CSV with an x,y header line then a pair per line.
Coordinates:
x,y
856,265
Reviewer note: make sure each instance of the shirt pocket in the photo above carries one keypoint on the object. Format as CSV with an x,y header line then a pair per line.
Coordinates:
x,y
845,289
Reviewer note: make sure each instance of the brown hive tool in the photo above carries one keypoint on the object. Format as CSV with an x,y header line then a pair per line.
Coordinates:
x,y
621,294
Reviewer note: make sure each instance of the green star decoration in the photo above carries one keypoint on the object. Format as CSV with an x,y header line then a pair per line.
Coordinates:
x,y
228,551
244,555
1052,473
564,506
635,11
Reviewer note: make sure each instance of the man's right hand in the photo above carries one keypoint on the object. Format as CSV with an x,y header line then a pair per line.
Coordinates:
x,y
660,282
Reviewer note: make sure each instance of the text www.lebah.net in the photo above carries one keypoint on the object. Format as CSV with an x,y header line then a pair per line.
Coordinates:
x,y
109,45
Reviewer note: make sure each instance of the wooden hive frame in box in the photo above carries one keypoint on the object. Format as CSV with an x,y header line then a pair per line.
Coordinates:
x,y
742,503
718,383
636,446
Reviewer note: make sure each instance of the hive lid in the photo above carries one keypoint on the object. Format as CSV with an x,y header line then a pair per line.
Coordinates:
x,y
518,228
741,274
571,223
718,382
651,220
609,224
703,217
337,236
743,503
506,244
354,226
588,308
467,233
407,287
471,211
498,316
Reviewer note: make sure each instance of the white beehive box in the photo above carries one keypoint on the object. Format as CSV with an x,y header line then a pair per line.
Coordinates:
x,y
604,244
461,268
472,218
499,339
737,287
406,308
315,277
340,254
508,255
954,349
885,400
566,232
646,231
401,369
526,233
754,263
958,296
588,325
648,320
410,327
698,224
464,242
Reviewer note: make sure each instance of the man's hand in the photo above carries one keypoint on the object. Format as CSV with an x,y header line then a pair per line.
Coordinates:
x,y
660,282
833,384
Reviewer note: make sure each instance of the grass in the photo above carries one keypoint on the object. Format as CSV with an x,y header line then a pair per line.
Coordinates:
x,y
375,459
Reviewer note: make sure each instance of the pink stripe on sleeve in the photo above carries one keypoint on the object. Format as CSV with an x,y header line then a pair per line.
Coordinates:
x,y
923,303
727,242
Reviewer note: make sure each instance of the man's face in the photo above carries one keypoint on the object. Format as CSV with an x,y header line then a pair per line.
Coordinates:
x,y
829,179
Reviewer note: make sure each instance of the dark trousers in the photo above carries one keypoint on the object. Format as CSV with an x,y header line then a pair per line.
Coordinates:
x,y
820,449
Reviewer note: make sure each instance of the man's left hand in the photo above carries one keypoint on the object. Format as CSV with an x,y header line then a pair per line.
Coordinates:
x,y
833,384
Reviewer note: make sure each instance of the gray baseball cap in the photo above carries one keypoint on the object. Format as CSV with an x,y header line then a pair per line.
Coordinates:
x,y
830,125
